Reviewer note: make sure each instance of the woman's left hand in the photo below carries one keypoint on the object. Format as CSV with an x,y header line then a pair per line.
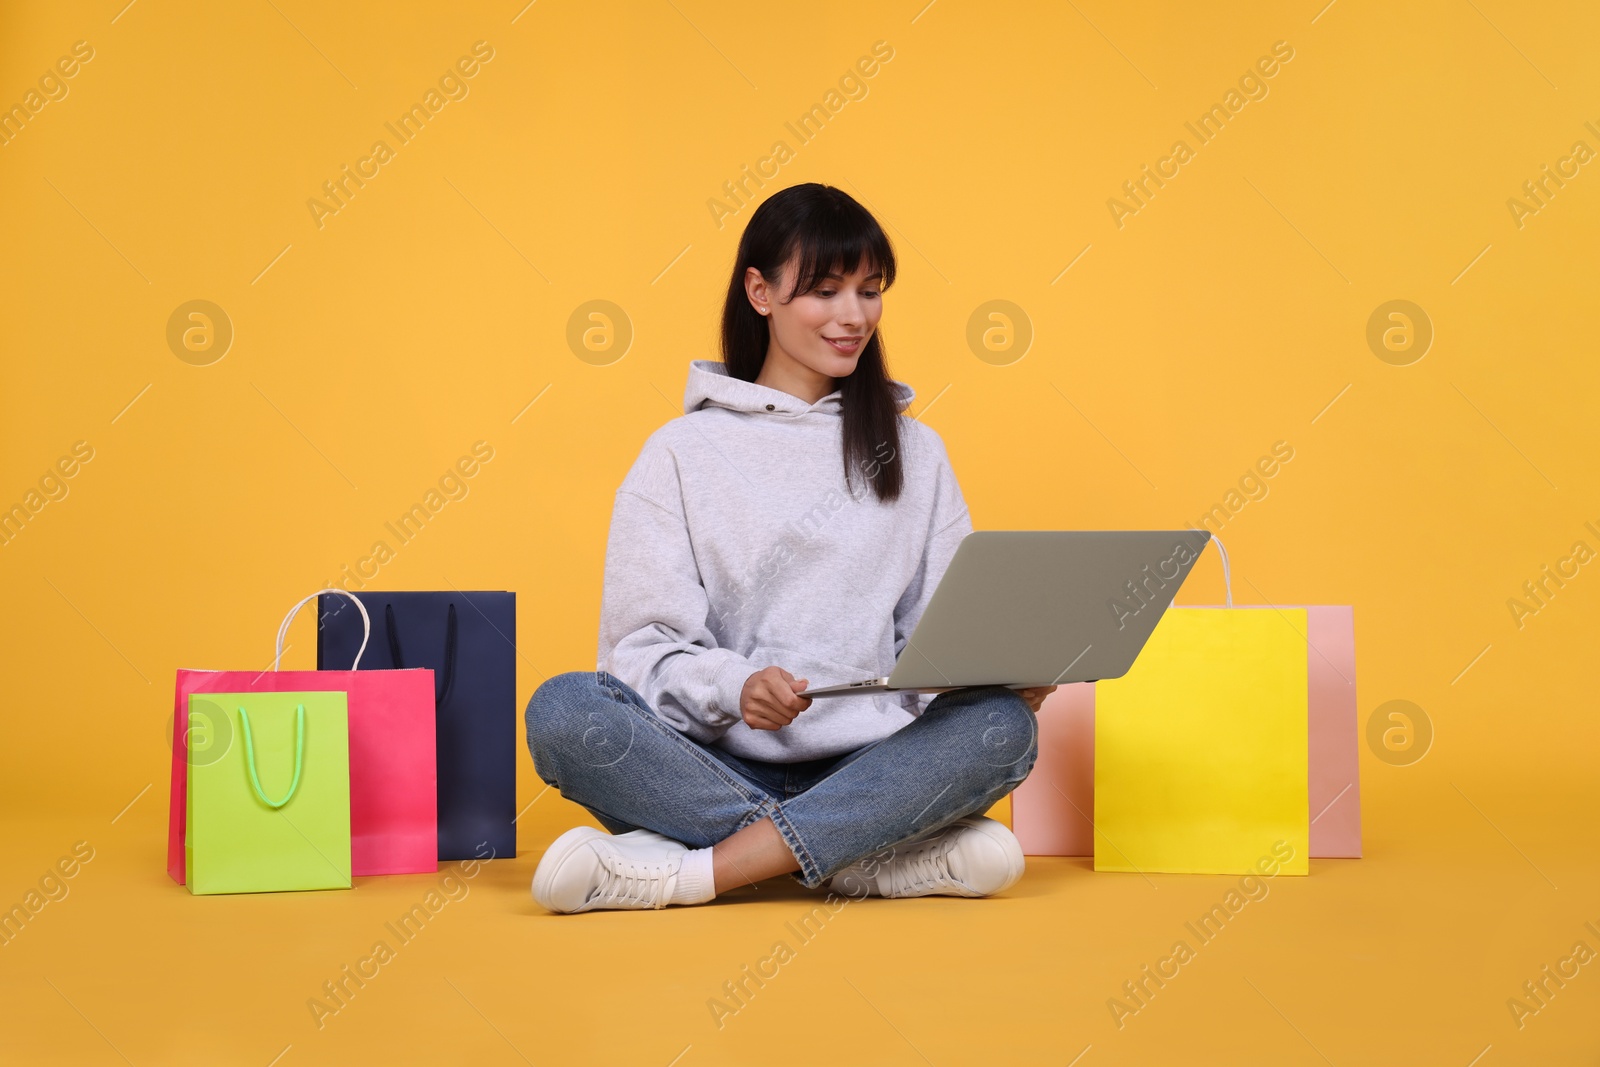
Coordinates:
x,y
1035,696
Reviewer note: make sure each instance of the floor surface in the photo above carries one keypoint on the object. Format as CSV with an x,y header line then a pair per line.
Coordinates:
x,y
1409,955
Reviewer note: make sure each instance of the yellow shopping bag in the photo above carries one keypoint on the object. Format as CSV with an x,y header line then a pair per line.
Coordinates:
x,y
1201,748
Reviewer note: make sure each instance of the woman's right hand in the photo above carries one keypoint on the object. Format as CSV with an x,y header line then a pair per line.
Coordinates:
x,y
770,699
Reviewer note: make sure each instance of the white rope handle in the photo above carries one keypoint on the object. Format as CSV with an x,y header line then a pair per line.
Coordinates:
x,y
1227,578
366,623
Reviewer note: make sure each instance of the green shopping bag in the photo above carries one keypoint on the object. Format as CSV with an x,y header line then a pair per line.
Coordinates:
x,y
273,812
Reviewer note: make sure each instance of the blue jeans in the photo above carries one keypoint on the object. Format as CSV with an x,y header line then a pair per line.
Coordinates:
x,y
601,745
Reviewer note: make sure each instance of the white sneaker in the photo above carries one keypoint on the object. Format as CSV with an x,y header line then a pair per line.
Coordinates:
x,y
971,857
585,869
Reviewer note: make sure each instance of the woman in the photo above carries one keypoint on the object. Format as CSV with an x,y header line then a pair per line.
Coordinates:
x,y
790,527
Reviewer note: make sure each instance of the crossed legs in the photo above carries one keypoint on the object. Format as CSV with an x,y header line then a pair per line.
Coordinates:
x,y
599,742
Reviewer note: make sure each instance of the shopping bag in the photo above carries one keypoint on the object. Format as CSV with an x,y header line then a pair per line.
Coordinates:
x,y
1333,784
1201,749
393,827
1053,809
468,639
1334,743
273,813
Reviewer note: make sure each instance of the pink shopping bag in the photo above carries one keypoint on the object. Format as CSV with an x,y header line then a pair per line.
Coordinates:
x,y
1052,811
393,795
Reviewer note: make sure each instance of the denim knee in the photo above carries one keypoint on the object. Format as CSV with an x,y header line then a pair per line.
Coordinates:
x,y
574,718
555,712
1008,738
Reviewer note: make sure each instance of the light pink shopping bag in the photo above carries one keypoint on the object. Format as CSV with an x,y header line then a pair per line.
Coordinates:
x,y
393,795
1053,809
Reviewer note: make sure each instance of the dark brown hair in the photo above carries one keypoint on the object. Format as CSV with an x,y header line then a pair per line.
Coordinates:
x,y
831,232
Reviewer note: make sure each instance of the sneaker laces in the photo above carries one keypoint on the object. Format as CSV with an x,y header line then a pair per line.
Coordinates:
x,y
628,881
925,866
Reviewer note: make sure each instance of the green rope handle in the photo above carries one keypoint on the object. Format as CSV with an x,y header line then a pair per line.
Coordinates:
x,y
299,754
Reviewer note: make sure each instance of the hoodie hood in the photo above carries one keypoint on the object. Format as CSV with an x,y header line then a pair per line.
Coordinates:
x,y
710,386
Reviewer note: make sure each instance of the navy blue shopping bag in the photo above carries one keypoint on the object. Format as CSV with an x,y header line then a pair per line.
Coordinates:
x,y
469,641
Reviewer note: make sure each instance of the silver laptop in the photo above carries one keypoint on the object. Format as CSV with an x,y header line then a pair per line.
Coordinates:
x,y
1025,608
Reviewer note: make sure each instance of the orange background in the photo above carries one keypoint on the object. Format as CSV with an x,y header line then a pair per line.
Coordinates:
x,y
1165,356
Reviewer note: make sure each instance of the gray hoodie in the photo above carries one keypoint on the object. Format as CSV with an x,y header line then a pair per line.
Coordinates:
x,y
735,544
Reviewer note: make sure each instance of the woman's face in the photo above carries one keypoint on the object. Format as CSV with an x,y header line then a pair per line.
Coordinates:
x,y
826,329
